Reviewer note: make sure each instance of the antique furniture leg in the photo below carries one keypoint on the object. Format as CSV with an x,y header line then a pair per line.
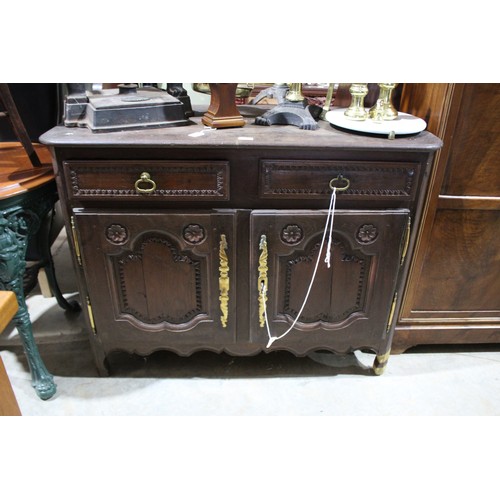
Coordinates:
x,y
14,234
380,363
48,265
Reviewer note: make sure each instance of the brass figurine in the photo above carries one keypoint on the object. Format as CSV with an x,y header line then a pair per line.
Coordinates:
x,y
356,111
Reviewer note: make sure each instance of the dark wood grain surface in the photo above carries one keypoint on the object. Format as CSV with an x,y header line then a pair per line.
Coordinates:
x,y
453,291
249,136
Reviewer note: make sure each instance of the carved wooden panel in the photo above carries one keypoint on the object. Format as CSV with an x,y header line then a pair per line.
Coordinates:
x,y
148,276
349,302
311,178
157,273
179,180
333,303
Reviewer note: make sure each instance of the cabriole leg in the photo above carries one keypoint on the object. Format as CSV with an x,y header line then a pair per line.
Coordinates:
x,y
41,379
12,266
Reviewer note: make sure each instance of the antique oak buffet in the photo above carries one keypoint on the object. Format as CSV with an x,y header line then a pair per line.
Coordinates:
x,y
173,230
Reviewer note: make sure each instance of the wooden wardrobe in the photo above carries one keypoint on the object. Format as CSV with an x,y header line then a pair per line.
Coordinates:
x,y
452,294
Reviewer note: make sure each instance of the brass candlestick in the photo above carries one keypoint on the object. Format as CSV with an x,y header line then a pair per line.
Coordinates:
x,y
356,111
295,93
384,108
328,101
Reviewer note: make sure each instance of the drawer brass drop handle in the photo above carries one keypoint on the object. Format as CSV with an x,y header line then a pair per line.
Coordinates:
x,y
145,178
340,178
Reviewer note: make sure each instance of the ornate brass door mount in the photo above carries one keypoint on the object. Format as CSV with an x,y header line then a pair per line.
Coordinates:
x,y
223,280
262,281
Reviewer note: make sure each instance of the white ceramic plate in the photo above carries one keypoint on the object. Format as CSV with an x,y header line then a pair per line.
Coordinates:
x,y
404,124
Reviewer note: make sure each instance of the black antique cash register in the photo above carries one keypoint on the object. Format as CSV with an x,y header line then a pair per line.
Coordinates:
x,y
127,107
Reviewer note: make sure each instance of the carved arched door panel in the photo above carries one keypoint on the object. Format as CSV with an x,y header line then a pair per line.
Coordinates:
x,y
349,302
166,274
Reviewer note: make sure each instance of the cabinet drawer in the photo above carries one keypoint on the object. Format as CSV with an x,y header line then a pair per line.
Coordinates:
x,y
305,179
176,180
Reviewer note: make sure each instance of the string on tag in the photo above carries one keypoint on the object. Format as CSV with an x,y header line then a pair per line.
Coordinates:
x,y
328,230
331,213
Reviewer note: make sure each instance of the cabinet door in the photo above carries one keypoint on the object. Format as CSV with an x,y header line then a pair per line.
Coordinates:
x,y
349,304
160,280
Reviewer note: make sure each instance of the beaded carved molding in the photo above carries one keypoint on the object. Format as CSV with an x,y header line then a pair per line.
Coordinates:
x,y
175,179
310,178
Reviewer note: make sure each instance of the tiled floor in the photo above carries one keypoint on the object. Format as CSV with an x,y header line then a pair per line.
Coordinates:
x,y
417,383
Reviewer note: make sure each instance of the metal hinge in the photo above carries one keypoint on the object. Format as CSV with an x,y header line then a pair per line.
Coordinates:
x,y
91,316
75,241
407,241
391,314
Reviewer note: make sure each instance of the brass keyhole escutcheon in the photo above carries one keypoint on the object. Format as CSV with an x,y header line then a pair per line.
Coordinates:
x,y
145,179
340,179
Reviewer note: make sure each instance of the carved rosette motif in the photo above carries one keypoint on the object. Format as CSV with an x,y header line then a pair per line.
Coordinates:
x,y
116,234
367,234
292,234
194,234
